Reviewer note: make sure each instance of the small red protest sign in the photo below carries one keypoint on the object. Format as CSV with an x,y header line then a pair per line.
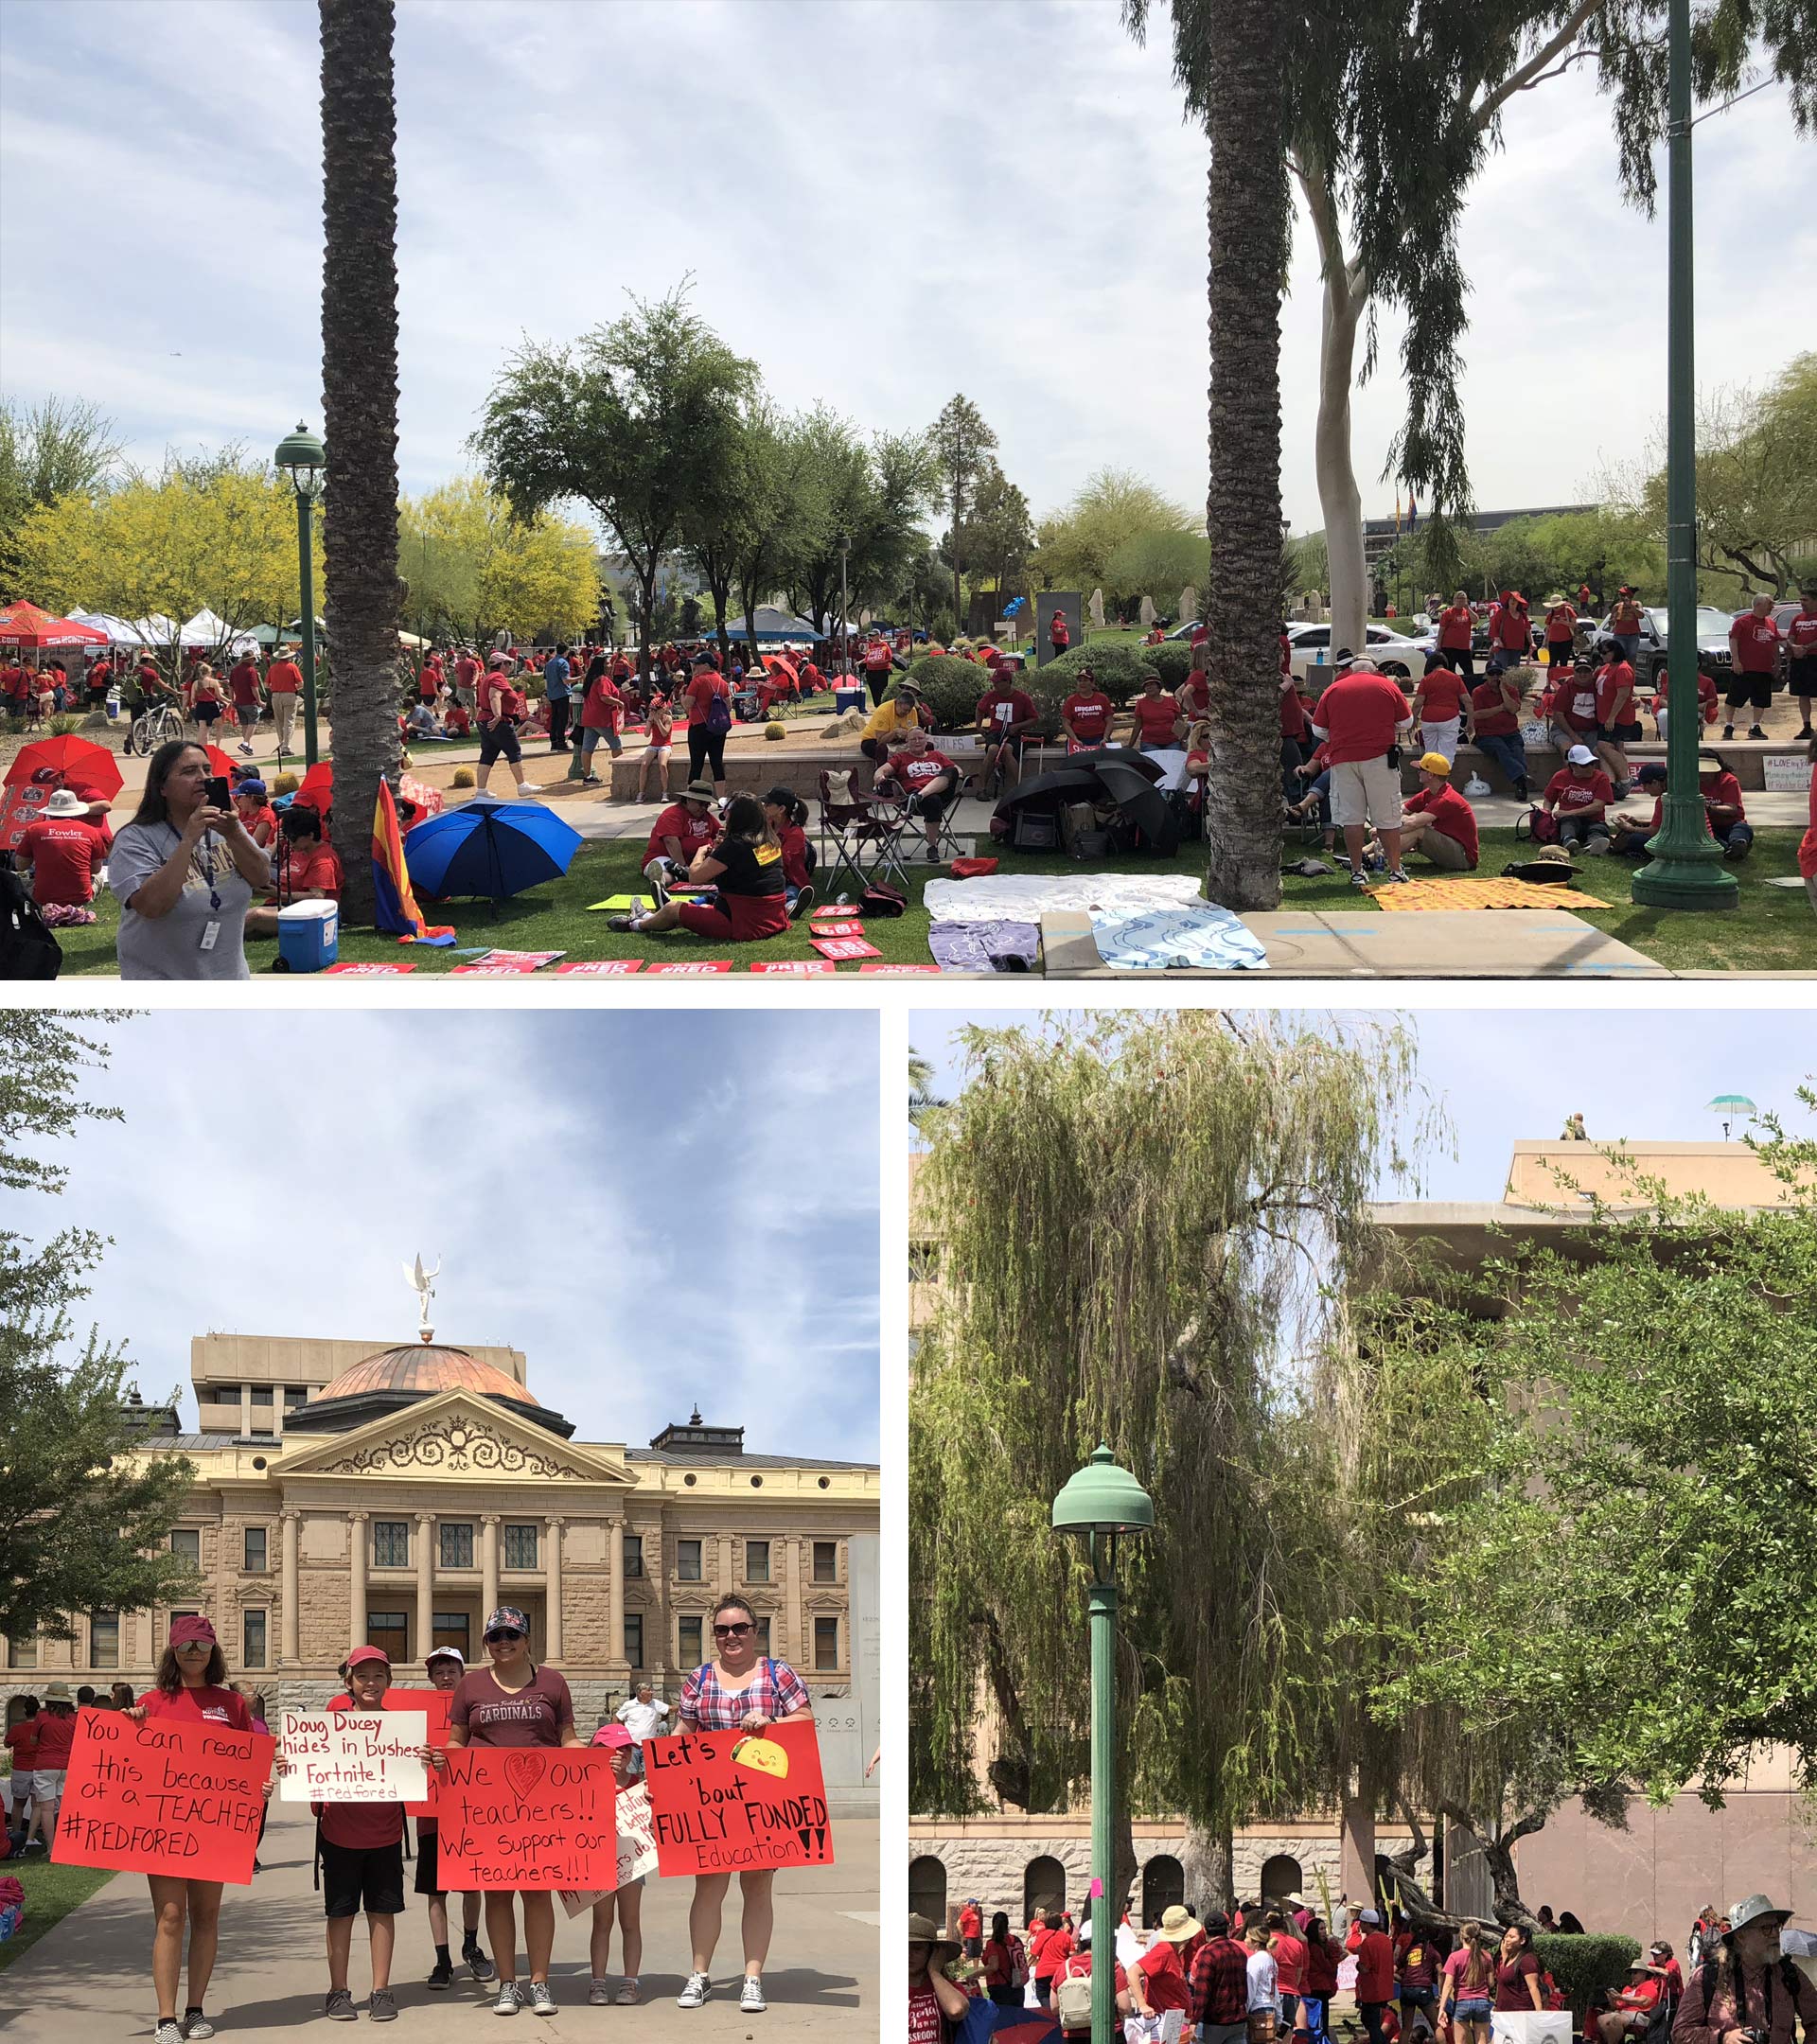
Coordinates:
x,y
844,948
689,966
601,968
363,969
793,968
527,1817
434,1703
732,1801
162,1797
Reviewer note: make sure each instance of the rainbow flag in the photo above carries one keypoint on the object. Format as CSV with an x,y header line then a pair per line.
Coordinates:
x,y
395,906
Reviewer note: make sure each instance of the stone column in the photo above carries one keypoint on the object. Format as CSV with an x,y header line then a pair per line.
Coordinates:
x,y
489,1566
615,1591
245,1410
290,1652
728,1580
424,1583
658,1643
357,1578
552,1591
794,1650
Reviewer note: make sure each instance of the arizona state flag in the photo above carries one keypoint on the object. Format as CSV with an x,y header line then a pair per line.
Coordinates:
x,y
394,908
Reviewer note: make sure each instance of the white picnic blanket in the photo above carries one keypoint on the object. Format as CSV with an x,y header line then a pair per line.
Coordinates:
x,y
1027,897
1204,936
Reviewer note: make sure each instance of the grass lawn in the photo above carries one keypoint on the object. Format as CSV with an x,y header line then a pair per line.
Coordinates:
x,y
1772,930
51,1893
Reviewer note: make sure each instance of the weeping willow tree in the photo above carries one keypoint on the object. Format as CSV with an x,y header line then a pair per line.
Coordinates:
x,y
1146,1222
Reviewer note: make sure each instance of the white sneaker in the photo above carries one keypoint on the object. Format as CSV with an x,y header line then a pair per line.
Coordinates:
x,y
509,2000
694,1992
751,1998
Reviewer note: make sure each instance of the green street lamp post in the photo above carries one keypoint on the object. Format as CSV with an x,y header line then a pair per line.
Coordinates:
x,y
1100,1502
1687,869
304,459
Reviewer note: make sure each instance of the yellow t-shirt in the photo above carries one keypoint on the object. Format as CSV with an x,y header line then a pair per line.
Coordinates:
x,y
889,717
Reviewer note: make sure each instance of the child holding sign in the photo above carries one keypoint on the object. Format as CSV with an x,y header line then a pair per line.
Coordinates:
x,y
191,1685
627,1900
515,1704
447,1664
738,1690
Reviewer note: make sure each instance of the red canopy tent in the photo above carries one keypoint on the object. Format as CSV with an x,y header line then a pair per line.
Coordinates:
x,y
25,625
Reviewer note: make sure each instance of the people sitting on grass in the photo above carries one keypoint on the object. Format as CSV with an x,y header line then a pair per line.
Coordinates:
x,y
1005,717
1157,725
253,805
422,723
308,869
1437,823
66,847
1578,796
744,868
684,829
926,778
906,710
786,815
458,722
1085,714
1724,813
1495,725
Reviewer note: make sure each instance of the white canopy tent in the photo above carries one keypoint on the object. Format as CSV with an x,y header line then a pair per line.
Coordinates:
x,y
119,631
156,630
206,629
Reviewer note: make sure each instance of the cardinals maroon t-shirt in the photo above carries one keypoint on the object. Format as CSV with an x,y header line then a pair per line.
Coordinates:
x,y
1490,713
491,1715
203,1705
917,770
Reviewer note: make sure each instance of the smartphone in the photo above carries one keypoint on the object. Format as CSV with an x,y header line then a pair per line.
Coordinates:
x,y
220,794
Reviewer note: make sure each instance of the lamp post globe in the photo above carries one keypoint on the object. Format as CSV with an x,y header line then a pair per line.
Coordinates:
x,y
302,458
1101,1502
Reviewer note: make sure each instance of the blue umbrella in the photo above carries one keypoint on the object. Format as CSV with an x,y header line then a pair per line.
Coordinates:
x,y
490,848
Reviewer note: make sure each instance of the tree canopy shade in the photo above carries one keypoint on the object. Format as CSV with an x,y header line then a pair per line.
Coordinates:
x,y
1140,1221
637,419
472,568
61,447
81,1527
1112,507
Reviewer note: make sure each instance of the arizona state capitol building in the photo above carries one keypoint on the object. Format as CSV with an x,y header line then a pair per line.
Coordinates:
x,y
344,1494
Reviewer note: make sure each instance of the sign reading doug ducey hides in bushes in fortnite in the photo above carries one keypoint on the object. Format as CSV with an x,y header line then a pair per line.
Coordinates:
x,y
162,1797
728,1802
354,1756
528,1817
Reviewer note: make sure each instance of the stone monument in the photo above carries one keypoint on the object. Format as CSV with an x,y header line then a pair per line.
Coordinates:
x,y
1097,609
1188,605
1148,613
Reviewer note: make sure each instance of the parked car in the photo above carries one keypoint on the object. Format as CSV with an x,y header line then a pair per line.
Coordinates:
x,y
1650,660
1396,653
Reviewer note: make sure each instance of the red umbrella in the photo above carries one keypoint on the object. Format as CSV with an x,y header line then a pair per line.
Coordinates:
x,y
217,761
316,790
781,664
75,762
25,625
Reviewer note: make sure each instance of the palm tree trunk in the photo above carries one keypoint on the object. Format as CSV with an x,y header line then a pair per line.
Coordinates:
x,y
359,418
1246,216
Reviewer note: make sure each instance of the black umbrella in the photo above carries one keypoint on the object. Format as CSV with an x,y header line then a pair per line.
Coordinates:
x,y
1139,799
1144,763
1051,790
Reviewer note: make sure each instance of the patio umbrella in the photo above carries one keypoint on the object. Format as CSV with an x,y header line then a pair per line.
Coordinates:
x,y
490,848
1731,1106
74,761
316,788
25,625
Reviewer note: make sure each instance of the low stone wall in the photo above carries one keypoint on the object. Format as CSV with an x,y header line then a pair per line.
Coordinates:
x,y
1746,761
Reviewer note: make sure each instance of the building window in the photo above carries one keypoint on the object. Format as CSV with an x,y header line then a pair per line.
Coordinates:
x,y
391,1630
826,1643
520,1546
449,1628
391,1543
23,1653
826,1561
262,1395
687,1560
251,1627
634,1638
633,1555
756,1561
186,1543
253,1548
457,1542
763,1636
296,1397
103,1639
690,1635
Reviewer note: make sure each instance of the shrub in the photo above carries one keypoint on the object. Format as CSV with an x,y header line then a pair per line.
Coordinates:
x,y
63,726
776,728
1583,1964
286,783
1171,661
463,777
1120,670
951,687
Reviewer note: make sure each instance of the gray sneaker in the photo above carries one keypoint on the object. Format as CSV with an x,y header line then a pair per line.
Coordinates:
x,y
599,1993
383,2007
750,1997
169,2031
694,1992
195,2025
509,2000
541,2001
340,2007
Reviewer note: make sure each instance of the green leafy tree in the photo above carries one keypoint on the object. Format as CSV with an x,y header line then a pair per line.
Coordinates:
x,y
961,443
83,1522
994,544
59,448
473,568
1110,509
872,494
1158,565
636,420
788,512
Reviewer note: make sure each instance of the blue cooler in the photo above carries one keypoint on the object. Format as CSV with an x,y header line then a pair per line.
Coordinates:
x,y
849,699
308,935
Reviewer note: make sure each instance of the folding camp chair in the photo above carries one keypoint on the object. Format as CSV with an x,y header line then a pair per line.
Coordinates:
x,y
862,823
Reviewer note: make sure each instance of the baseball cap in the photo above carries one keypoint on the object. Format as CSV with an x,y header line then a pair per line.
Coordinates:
x,y
508,1618
1435,763
1653,770
610,1735
192,1625
1580,755
446,1653
361,1655
252,787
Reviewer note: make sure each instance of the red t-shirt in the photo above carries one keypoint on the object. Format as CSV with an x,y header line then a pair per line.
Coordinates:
x,y
1612,681
359,1826
64,853
22,1741
428,684
1801,634
1511,627
1489,714
918,770
283,677
1087,716
242,683
877,657
1196,697
1575,702
1058,634
1290,1960
319,868
1443,694
457,721
1455,628
1360,714
1374,1963
1706,696
1056,1949
1292,711
261,824
970,1923
1450,811
1155,716
495,694
1574,797
794,843
1473,1982
991,704
925,2025
1723,788
678,821
1755,643
1560,623
1163,1977
206,1705
56,1735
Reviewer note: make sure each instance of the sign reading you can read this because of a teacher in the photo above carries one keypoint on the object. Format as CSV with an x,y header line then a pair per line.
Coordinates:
x,y
162,1797
734,1801
353,1756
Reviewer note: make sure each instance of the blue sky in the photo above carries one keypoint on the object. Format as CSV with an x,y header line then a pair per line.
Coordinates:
x,y
657,1207
880,202
1508,1074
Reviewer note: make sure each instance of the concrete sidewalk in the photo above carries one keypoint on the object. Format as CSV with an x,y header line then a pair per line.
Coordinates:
x,y
91,1977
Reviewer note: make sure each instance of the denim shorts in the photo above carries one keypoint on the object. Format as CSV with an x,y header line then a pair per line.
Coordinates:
x,y
1474,2010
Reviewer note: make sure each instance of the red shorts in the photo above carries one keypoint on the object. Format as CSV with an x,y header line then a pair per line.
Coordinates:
x,y
740,919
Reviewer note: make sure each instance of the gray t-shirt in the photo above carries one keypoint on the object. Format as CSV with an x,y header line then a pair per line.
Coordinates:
x,y
169,946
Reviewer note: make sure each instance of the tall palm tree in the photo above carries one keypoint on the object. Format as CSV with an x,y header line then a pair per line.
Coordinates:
x,y
1228,59
359,418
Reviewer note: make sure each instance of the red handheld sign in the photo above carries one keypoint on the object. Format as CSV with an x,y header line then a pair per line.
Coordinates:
x,y
730,1801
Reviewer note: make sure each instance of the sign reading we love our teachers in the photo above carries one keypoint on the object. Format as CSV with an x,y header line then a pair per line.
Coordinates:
x,y
527,1817
731,1802
353,1756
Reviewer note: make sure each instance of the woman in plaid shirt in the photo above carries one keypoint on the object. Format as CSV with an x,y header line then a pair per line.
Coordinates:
x,y
738,1690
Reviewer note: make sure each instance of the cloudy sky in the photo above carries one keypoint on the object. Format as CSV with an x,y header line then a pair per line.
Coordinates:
x,y
1505,1075
881,202
657,1208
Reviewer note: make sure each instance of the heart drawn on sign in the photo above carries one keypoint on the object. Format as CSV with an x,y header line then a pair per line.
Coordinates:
x,y
523,1771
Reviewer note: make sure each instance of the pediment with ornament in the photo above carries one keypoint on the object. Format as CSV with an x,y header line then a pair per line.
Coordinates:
x,y
456,1436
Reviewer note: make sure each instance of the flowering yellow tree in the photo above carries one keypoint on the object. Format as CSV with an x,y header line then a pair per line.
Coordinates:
x,y
472,569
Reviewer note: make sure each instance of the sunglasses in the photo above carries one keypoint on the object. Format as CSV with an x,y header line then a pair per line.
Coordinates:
x,y
193,1645
729,1632
502,1639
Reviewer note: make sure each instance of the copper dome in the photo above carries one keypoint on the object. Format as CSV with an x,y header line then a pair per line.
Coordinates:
x,y
426,1369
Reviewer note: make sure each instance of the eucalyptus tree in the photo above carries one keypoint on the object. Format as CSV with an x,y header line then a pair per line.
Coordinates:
x,y
962,444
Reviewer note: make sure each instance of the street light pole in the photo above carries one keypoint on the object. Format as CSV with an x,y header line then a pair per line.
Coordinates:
x,y
845,631
1687,869
304,459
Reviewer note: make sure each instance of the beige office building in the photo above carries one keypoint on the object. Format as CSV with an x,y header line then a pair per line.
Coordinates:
x,y
349,1493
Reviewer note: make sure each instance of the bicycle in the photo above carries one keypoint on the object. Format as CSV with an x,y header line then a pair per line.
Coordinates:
x,y
153,724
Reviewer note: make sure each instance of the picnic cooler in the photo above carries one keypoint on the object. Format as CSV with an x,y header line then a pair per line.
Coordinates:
x,y
308,935
849,699
1034,832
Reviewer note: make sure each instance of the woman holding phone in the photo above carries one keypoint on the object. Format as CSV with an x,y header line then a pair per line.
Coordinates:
x,y
192,1686
515,1704
738,1690
185,869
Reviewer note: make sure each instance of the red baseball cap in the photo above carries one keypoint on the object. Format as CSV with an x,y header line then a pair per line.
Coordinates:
x,y
361,1655
610,1735
192,1625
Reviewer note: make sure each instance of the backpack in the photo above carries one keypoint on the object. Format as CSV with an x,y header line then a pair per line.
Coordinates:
x,y
1018,1961
719,717
27,949
1072,2002
1539,824
878,900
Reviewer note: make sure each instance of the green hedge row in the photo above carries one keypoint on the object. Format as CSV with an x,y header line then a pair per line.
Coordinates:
x,y
1583,1964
